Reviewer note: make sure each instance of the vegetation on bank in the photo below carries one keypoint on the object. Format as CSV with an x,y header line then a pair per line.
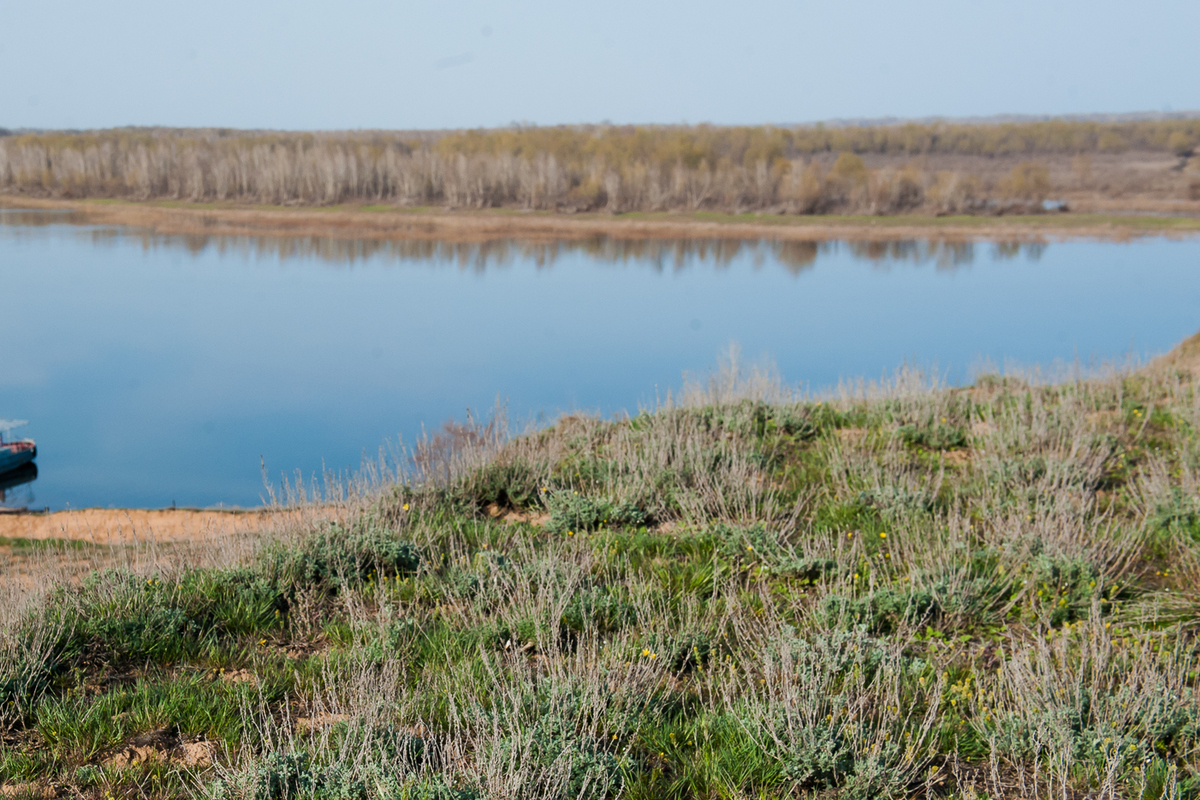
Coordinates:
x,y
979,592
802,170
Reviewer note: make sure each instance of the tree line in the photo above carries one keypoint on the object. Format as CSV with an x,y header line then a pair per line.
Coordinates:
x,y
616,168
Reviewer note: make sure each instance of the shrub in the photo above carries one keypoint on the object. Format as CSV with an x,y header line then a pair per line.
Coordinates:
x,y
602,609
933,437
551,746
573,512
880,611
831,714
509,484
1181,144
290,776
340,554
1064,587
819,759
1028,181
753,541
1178,514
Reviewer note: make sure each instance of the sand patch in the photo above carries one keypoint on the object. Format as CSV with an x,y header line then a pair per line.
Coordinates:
x,y
318,721
239,676
161,746
510,515
132,526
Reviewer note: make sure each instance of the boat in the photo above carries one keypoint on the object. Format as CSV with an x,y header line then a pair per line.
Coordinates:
x,y
14,453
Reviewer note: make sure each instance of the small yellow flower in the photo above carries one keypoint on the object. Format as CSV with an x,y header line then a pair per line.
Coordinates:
x,y
654,655
882,535
406,506
645,652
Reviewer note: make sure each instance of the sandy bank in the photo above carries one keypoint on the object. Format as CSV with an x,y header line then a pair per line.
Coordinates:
x,y
477,226
108,526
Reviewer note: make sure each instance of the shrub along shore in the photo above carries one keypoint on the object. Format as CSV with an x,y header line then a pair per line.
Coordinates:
x,y
901,590
937,168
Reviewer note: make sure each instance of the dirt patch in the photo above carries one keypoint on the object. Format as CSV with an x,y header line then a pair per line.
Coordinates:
x,y
131,526
239,676
318,721
161,746
196,754
852,435
511,515
133,755
956,458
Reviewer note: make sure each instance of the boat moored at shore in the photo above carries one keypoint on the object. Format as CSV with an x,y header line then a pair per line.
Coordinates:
x,y
14,453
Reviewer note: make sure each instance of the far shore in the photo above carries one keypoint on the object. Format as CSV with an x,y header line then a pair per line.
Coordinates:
x,y
396,223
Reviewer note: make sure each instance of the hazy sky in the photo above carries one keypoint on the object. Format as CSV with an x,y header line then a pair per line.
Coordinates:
x,y
455,63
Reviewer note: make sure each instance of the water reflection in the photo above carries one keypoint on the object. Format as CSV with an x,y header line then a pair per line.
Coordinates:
x,y
15,488
661,255
155,375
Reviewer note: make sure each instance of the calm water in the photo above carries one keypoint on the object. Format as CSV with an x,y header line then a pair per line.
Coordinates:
x,y
160,369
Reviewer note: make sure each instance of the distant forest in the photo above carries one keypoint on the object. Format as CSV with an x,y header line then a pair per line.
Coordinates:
x,y
881,169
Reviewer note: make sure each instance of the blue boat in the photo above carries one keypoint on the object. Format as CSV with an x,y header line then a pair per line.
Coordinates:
x,y
14,453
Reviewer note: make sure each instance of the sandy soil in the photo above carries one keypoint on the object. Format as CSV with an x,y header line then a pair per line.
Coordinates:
x,y
492,225
131,526
122,526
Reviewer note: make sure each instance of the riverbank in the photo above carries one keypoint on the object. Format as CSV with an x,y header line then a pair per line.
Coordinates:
x,y
396,223
136,526
715,596
118,526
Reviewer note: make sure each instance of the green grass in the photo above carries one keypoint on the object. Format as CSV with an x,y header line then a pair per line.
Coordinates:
x,y
21,543
940,593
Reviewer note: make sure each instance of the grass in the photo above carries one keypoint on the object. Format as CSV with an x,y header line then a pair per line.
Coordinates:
x,y
909,590
21,543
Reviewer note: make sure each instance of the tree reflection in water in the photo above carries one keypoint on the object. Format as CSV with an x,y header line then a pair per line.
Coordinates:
x,y
658,254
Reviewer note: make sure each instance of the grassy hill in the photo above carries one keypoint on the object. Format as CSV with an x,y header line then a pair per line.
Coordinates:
x,y
901,591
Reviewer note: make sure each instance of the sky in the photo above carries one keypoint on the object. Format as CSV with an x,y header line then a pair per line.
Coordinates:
x,y
362,64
